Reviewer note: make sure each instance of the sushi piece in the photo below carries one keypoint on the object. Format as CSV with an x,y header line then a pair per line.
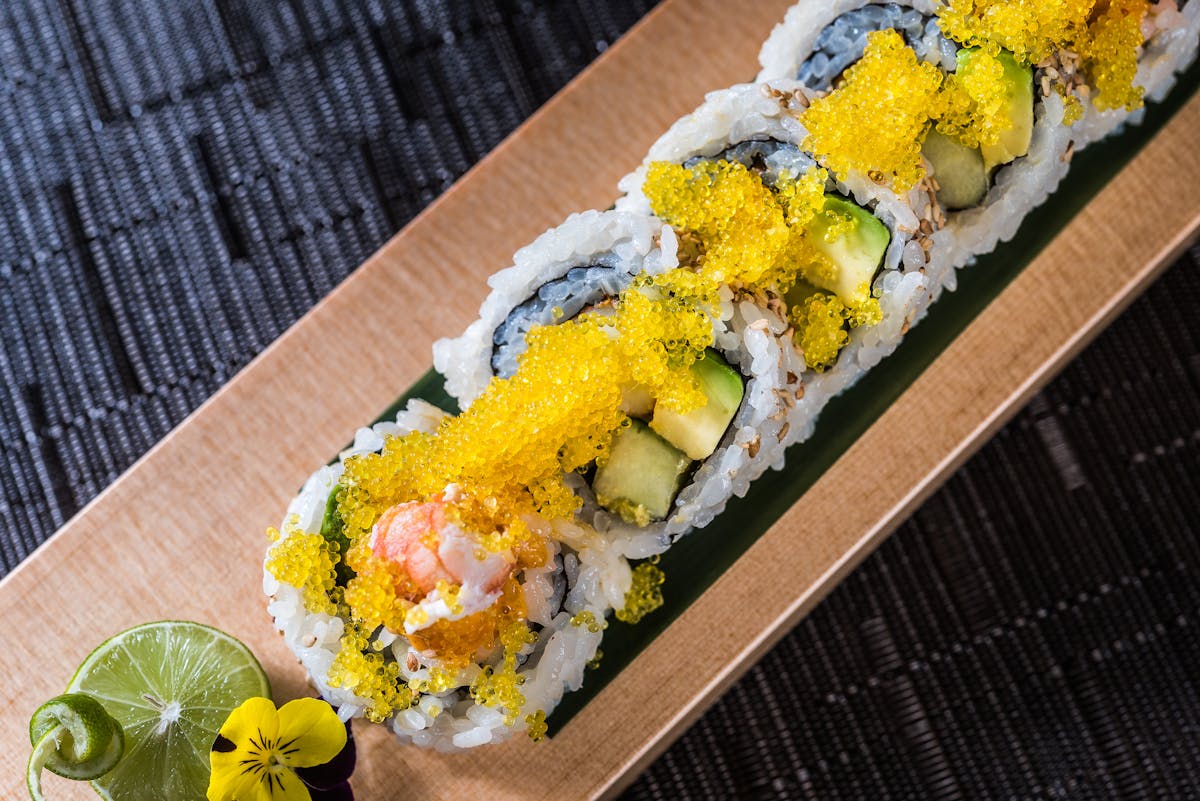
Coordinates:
x,y
489,638
668,472
584,263
976,191
872,286
703,457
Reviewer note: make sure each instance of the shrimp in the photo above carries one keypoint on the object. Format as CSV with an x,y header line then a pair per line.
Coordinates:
x,y
418,537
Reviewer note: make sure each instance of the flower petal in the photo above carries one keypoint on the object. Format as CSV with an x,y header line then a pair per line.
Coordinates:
x,y
282,785
333,773
253,720
310,733
231,780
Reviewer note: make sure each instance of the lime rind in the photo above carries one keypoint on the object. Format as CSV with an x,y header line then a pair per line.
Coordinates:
x,y
215,633
74,736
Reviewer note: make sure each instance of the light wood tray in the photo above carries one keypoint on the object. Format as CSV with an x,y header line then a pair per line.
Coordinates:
x,y
181,535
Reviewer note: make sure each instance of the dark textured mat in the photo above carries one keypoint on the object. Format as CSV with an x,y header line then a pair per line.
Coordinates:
x,y
183,179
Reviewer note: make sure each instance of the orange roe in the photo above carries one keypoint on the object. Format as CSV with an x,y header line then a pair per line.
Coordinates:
x,y
752,235
644,596
875,122
306,561
1110,55
1032,30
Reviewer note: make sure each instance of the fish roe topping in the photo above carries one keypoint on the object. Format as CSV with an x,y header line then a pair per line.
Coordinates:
x,y
1110,56
821,322
376,595
1032,30
307,561
751,236
587,619
500,686
365,672
1106,34
535,725
975,101
486,472
644,596
875,122
508,452
737,218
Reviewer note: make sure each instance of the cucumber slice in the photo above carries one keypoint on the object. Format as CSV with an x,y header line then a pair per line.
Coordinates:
x,y
960,172
642,476
698,432
1015,141
856,254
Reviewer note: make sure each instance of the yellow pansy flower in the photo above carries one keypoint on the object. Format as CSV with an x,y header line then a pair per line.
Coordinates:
x,y
267,754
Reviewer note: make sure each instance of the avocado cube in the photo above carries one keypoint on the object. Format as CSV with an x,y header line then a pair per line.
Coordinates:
x,y
856,253
1015,141
698,432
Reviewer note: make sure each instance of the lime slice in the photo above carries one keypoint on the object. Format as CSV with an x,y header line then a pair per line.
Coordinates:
x,y
170,685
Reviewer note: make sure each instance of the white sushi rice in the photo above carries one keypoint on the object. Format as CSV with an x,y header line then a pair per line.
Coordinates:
x,y
631,243
583,574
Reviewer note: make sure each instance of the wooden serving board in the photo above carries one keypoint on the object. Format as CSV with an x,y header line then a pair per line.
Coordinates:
x,y
181,535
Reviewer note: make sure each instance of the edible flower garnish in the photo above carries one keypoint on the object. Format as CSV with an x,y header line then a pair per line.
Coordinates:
x,y
298,752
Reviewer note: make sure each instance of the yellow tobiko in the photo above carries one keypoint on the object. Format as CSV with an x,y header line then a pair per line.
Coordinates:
x,y
875,122
1110,54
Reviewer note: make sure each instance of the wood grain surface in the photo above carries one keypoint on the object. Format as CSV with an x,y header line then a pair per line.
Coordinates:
x,y
181,535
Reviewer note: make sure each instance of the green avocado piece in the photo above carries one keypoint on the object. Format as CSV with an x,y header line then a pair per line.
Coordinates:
x,y
698,432
642,476
1015,141
856,254
960,172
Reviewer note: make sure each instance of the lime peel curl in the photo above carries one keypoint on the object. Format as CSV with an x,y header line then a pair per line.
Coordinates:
x,y
74,736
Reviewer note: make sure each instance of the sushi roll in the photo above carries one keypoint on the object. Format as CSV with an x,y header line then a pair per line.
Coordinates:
x,y
839,323
976,193
486,647
667,473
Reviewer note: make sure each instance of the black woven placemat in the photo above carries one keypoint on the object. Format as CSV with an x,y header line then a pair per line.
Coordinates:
x,y
182,179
